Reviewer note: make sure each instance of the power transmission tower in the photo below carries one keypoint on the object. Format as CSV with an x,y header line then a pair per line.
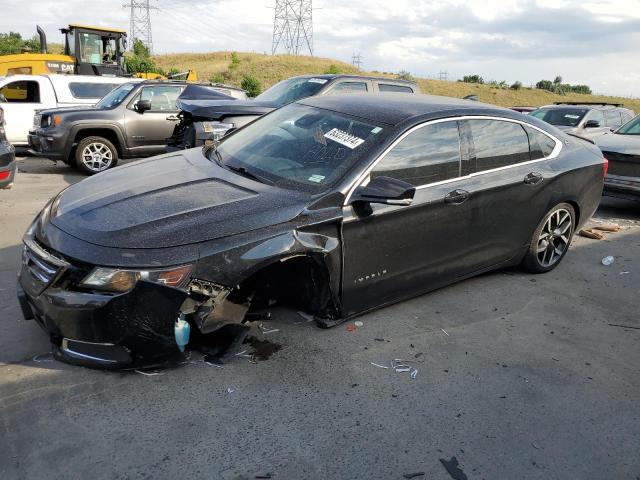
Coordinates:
x,y
356,60
293,26
443,75
140,23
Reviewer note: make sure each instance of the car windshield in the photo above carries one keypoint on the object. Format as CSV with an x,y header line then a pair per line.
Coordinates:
x,y
300,147
632,127
563,117
288,91
115,97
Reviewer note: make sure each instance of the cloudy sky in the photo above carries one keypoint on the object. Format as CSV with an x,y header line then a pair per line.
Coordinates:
x,y
592,42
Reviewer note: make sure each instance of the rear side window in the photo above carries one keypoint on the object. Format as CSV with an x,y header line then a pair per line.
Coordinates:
x,y
22,91
346,87
541,145
498,143
427,155
90,90
385,87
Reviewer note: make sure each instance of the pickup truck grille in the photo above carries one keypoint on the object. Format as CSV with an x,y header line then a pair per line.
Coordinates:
x,y
623,164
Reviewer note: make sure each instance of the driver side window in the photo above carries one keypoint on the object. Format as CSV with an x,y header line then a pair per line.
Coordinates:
x,y
162,97
427,155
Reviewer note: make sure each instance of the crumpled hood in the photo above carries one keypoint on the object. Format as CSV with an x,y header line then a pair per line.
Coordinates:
x,y
612,142
170,200
215,109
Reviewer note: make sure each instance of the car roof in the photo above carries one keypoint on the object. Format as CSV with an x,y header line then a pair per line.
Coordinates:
x,y
394,108
331,76
583,106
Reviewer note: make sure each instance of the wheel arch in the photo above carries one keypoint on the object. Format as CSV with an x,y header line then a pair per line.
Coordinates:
x,y
106,131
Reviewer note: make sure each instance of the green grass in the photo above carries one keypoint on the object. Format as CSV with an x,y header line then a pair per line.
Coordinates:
x,y
270,69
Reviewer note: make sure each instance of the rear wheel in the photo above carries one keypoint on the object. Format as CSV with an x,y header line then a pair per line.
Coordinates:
x,y
551,239
95,154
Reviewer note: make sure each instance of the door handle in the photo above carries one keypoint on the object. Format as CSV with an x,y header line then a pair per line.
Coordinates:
x,y
533,178
456,197
172,118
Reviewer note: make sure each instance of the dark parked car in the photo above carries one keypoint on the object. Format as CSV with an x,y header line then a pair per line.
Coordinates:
x,y
587,120
206,121
622,149
335,205
7,157
133,120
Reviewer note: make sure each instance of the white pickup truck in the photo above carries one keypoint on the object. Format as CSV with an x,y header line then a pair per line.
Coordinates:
x,y
22,95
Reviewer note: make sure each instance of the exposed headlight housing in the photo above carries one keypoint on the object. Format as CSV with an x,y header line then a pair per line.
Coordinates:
x,y
119,280
218,129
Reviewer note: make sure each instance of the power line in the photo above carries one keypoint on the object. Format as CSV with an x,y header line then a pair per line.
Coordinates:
x,y
293,26
356,60
140,23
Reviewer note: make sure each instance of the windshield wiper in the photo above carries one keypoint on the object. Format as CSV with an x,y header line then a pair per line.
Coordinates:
x,y
246,173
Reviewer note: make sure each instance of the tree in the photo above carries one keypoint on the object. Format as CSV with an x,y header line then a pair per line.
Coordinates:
x,y
140,61
10,43
557,80
404,75
333,70
516,85
235,61
473,79
252,85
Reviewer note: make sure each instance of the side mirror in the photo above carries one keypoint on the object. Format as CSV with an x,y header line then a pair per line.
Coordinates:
x,y
386,190
142,106
592,124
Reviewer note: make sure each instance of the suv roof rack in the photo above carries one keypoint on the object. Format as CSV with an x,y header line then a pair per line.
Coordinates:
x,y
604,104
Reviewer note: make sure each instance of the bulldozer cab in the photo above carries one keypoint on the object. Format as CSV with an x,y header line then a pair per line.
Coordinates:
x,y
97,51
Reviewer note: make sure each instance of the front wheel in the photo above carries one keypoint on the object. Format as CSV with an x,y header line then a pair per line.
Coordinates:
x,y
551,239
95,154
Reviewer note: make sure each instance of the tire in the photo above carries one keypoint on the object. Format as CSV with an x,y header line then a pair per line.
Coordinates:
x,y
95,154
551,240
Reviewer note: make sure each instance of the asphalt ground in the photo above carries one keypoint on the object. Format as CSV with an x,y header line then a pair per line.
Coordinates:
x,y
519,376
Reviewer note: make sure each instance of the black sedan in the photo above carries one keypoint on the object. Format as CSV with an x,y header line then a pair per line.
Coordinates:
x,y
333,205
622,149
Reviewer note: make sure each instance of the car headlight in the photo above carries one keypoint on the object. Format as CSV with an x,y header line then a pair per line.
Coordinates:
x,y
119,280
218,129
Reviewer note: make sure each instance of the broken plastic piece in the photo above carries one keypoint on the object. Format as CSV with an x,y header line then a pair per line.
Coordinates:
x,y
444,331
43,358
611,227
351,328
149,374
358,324
608,260
182,330
591,233
230,390
414,373
266,331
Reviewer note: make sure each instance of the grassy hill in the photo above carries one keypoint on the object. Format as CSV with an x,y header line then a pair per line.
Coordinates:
x,y
270,69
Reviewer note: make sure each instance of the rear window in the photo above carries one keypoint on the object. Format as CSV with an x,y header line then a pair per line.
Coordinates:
x,y
385,87
90,90
563,117
21,91
541,145
498,144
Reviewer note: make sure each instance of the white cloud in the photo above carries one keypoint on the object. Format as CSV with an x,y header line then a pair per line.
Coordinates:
x,y
592,42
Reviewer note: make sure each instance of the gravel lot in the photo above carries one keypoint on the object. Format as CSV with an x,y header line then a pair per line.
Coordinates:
x,y
519,377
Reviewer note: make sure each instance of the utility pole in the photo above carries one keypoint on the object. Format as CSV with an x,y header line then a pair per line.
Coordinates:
x,y
140,23
356,60
293,26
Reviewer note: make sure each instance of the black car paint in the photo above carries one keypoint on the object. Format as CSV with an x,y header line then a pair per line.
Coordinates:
x,y
351,263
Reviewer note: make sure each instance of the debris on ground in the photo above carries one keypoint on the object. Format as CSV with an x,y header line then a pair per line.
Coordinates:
x,y
378,365
149,373
444,331
535,445
266,330
623,326
262,349
358,324
414,475
351,328
625,273
611,227
591,233
264,476
453,468
307,318
43,358
230,390
608,260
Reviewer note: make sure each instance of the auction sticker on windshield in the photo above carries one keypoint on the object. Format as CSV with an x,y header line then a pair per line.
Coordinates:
x,y
318,80
344,138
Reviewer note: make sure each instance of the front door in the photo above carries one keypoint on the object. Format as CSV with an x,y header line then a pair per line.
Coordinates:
x,y
147,132
392,252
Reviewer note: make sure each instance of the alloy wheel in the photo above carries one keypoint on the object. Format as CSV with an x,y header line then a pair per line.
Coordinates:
x,y
97,157
554,237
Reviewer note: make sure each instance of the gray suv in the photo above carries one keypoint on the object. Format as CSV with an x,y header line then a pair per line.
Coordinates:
x,y
132,120
585,119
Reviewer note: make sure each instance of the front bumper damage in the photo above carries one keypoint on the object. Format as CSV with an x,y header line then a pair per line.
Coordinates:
x,y
115,330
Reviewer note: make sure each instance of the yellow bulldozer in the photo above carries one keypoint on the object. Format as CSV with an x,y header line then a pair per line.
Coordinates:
x,y
87,51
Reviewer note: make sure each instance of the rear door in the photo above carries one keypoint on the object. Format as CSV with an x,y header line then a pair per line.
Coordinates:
x,y
510,188
596,116
147,132
23,97
396,251
349,86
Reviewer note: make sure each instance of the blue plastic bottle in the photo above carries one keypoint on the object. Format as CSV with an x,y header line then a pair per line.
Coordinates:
x,y
182,330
